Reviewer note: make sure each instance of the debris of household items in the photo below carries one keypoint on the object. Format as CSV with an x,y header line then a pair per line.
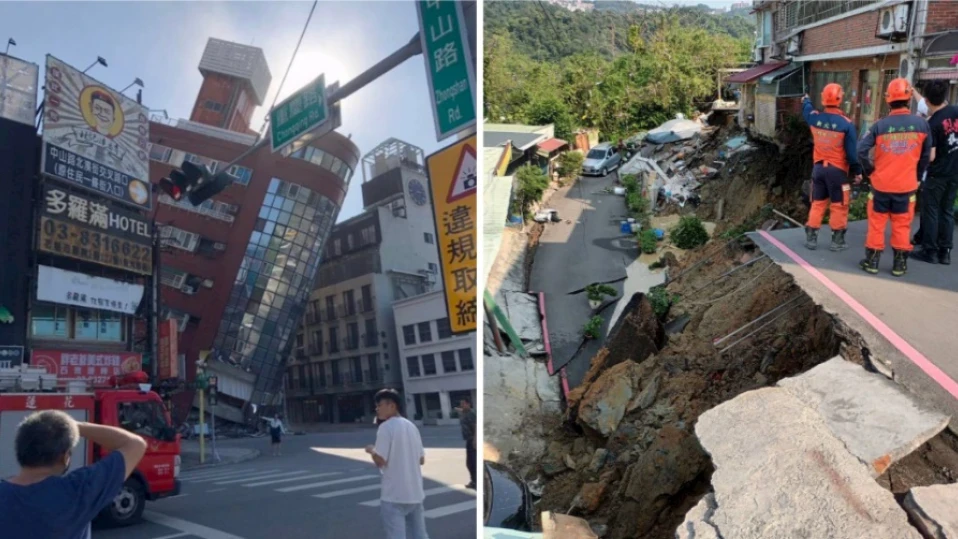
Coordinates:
x,y
634,143
546,216
508,503
810,468
559,526
674,131
733,146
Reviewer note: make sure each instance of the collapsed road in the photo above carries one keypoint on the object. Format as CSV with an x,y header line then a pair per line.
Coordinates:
x,y
665,407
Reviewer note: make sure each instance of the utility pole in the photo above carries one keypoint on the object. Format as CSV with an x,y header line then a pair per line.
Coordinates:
x,y
409,50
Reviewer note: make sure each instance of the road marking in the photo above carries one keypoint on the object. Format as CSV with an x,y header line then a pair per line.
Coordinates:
x,y
450,509
224,475
430,492
895,339
291,479
255,477
187,527
216,490
232,476
346,492
325,483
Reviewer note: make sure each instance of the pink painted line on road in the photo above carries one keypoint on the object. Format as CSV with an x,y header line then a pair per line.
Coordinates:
x,y
545,337
895,339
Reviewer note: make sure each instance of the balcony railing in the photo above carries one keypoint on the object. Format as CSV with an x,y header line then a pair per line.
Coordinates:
x,y
366,305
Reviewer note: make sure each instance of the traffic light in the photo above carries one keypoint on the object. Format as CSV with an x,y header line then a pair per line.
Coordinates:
x,y
207,184
174,186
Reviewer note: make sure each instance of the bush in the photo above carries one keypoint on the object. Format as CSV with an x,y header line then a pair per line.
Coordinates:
x,y
661,300
592,328
531,182
689,233
631,183
638,207
858,208
597,292
570,164
648,241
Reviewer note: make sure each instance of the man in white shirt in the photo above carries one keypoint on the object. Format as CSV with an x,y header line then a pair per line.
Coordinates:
x,y
399,455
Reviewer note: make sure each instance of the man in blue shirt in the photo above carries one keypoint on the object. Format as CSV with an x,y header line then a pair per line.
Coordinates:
x,y
43,501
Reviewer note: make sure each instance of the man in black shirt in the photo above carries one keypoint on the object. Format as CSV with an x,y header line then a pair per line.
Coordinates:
x,y
941,186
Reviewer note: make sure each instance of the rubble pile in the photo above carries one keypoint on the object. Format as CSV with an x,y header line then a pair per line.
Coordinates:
x,y
629,461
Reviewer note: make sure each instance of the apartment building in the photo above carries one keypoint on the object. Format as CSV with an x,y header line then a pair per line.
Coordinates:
x,y
802,45
438,368
346,348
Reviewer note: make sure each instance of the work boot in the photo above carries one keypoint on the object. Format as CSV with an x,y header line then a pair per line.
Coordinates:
x,y
901,263
870,262
838,241
944,256
925,255
811,238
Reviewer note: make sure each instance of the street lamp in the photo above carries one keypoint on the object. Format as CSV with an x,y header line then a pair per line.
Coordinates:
x,y
137,81
10,42
99,60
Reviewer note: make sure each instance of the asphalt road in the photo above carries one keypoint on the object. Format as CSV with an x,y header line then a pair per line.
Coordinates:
x,y
908,323
323,486
570,256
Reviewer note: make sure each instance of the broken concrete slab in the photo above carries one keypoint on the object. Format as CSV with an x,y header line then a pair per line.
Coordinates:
x,y
640,279
779,472
558,526
933,510
875,419
697,523
522,309
607,399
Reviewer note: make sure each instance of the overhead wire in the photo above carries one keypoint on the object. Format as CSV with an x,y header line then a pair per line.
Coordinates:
x,y
290,66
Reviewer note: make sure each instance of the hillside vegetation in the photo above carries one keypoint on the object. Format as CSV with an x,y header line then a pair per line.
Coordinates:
x,y
544,64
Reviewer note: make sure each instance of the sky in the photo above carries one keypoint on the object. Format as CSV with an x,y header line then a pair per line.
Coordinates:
x,y
162,42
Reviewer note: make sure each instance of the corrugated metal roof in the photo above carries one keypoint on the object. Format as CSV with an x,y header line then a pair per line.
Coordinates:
x,y
749,75
781,72
552,144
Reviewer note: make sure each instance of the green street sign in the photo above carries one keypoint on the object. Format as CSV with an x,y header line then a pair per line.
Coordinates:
x,y
452,82
298,114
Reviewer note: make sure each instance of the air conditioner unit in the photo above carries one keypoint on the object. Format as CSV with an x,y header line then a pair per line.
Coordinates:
x,y
188,290
893,21
219,246
775,51
794,46
208,283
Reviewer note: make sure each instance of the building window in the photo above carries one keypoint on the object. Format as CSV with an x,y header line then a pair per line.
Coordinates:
x,y
368,235
300,340
337,247
213,106
179,238
352,336
59,322
428,237
373,362
172,277
443,328
433,268
465,359
333,340
449,361
349,242
349,302
367,296
372,333
330,308
409,334
317,347
50,321
822,78
160,153
241,175
425,332
412,366
428,364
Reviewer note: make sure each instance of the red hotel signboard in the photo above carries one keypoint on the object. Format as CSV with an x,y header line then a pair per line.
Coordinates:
x,y
168,365
97,367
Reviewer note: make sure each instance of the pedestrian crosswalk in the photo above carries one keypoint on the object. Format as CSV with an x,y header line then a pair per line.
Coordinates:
x,y
359,485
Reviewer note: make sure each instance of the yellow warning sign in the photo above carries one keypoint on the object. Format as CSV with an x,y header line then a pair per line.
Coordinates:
x,y
452,182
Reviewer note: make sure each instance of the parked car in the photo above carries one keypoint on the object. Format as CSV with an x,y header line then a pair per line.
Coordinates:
x,y
601,160
508,503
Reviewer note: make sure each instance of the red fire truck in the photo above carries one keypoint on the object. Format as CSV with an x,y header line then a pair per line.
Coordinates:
x,y
129,403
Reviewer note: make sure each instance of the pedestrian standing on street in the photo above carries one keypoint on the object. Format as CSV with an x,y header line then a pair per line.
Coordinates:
x,y
467,421
43,501
835,158
902,144
399,455
276,432
941,185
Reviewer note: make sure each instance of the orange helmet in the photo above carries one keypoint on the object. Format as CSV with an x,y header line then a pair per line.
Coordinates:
x,y
832,95
898,90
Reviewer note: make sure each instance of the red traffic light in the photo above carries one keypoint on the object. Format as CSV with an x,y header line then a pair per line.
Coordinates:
x,y
171,189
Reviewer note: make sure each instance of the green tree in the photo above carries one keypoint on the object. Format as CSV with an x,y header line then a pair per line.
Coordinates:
x,y
531,183
552,110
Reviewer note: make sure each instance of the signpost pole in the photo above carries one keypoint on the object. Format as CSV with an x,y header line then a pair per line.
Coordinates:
x,y
155,307
410,49
202,426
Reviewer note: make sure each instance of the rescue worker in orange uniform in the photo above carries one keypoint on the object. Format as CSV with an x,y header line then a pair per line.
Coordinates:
x,y
835,157
902,144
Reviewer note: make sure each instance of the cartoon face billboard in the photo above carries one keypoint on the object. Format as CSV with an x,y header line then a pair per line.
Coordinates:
x,y
95,137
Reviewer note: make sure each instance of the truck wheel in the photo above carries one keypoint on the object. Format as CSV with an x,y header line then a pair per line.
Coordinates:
x,y
127,507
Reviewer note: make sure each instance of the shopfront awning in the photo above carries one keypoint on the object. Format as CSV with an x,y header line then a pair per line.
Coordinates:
x,y
781,72
751,74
